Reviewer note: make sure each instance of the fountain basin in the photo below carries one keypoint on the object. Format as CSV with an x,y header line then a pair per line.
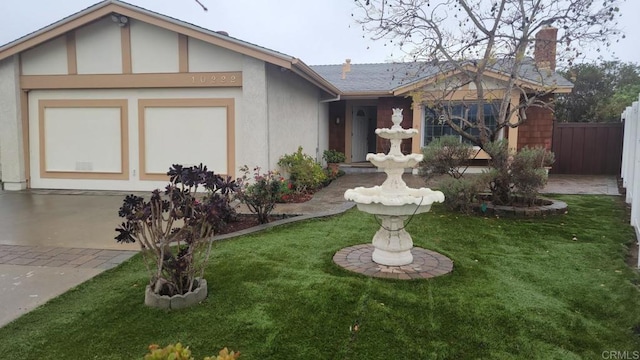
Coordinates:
x,y
384,161
397,133
401,210
378,201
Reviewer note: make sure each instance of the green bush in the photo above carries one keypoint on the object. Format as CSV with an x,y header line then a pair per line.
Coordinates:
x,y
333,156
499,174
259,192
462,194
512,177
304,172
445,155
520,174
528,172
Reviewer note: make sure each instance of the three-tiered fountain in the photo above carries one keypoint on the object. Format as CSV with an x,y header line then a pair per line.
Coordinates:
x,y
393,203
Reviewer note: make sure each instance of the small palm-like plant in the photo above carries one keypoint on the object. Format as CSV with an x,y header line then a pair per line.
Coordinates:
x,y
174,227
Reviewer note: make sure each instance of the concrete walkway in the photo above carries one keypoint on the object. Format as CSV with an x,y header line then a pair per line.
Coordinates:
x,y
51,241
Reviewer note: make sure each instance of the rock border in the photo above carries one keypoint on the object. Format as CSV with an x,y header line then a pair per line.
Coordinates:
x,y
555,207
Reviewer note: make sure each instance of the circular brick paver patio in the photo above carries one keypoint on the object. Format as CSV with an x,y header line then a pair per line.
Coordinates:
x,y
426,263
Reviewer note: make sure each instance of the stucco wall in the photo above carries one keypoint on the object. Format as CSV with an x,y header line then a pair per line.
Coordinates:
x,y
251,125
323,129
153,49
275,110
98,48
293,108
204,57
49,58
11,145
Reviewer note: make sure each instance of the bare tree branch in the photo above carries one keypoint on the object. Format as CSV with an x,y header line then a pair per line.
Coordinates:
x,y
202,5
484,49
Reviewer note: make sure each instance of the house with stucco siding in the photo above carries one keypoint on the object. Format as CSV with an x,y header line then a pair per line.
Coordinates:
x,y
110,97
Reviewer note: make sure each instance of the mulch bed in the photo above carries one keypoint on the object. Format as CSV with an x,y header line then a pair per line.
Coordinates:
x,y
296,198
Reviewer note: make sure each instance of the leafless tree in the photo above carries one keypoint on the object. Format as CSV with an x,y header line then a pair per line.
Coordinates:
x,y
475,45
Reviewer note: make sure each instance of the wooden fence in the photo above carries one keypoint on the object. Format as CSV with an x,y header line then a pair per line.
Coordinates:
x,y
630,172
587,148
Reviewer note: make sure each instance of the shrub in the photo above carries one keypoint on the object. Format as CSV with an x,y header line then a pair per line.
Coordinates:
x,y
462,193
445,155
180,352
173,227
260,192
304,172
499,174
528,172
333,156
522,173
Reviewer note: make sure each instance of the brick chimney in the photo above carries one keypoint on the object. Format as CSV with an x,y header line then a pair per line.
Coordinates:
x,y
346,67
545,48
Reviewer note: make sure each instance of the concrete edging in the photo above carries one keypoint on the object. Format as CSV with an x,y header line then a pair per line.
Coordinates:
x,y
337,210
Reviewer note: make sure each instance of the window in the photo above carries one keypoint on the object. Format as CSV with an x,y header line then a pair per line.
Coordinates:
x,y
436,126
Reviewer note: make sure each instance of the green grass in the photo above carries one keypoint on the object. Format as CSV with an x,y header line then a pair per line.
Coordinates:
x,y
520,289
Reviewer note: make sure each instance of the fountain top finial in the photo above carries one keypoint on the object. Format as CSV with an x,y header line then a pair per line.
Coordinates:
x,y
396,117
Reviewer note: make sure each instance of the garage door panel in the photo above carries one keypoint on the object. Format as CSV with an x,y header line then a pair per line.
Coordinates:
x,y
187,136
83,140
187,132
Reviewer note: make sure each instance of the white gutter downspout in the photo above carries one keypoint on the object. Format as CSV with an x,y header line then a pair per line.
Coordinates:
x,y
337,98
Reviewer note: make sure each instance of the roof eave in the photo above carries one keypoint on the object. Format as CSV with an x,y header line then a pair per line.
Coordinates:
x,y
303,70
107,7
496,74
55,29
563,90
356,95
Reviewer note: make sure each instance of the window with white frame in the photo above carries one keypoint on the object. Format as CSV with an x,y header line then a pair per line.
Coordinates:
x,y
435,124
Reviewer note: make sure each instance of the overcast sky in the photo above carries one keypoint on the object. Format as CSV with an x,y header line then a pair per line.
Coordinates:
x,y
316,31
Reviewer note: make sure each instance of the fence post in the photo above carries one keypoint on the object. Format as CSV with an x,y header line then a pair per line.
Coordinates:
x,y
635,204
631,151
630,171
624,118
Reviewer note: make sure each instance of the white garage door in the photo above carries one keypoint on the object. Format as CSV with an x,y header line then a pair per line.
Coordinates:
x,y
125,140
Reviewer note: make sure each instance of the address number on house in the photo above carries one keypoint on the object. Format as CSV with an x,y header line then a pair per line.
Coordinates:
x,y
216,79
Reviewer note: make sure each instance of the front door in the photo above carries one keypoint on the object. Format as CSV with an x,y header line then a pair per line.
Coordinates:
x,y
363,133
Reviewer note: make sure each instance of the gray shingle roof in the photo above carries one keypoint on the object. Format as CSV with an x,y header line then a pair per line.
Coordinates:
x,y
386,77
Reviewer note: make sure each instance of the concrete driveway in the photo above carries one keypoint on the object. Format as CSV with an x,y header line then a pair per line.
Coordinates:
x,y
51,241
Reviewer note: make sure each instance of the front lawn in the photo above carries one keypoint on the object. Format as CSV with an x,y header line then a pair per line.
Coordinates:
x,y
520,289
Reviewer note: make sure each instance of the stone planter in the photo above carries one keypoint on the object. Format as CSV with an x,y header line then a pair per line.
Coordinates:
x,y
194,297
